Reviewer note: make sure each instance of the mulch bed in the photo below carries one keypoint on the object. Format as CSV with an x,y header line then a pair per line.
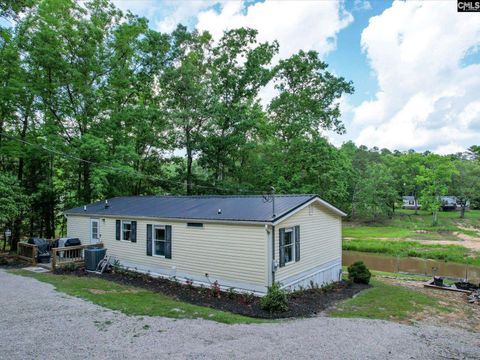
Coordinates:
x,y
304,303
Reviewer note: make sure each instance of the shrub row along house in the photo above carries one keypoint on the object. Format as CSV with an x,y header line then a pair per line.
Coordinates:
x,y
245,242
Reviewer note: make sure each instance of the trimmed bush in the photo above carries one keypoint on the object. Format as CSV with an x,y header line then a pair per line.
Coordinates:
x,y
276,299
359,273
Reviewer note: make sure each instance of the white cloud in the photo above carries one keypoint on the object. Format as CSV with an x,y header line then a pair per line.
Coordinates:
x,y
295,24
361,5
183,12
427,99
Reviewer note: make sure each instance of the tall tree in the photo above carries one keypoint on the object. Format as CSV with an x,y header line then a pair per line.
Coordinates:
x,y
308,99
466,183
376,192
239,69
185,92
435,176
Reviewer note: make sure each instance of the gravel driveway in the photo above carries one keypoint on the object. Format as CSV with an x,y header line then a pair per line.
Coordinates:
x,y
37,322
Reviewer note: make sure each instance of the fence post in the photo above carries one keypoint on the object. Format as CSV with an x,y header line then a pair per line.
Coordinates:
x,y
54,258
398,264
34,255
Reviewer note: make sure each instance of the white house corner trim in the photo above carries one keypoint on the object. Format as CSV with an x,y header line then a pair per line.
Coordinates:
x,y
319,276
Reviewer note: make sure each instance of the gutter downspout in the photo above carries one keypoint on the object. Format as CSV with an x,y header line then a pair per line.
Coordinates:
x,y
273,255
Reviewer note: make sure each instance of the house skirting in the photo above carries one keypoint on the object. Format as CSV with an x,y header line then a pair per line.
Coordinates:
x,y
197,280
318,276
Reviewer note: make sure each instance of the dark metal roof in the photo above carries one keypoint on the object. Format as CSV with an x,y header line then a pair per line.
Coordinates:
x,y
233,208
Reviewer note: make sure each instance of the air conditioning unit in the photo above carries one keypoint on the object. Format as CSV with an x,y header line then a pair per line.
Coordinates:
x,y
93,257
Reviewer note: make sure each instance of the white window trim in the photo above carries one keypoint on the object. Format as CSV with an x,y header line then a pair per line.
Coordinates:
x,y
154,239
91,229
291,230
121,230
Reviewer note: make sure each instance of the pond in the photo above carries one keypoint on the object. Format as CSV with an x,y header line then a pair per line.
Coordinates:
x,y
411,265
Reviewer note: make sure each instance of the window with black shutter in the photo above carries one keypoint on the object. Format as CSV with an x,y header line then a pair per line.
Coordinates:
x,y
289,245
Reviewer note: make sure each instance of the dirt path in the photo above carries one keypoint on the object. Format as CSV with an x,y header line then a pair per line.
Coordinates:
x,y
461,314
40,323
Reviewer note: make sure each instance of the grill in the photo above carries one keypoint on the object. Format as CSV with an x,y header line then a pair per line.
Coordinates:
x,y
43,254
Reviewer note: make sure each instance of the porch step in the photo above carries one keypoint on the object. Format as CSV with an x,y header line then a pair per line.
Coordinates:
x,y
41,268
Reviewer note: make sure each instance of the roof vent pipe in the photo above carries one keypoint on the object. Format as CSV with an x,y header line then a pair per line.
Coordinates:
x,y
84,207
219,211
106,204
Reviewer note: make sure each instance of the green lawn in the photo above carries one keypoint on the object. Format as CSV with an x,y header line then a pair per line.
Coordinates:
x,y
368,232
397,236
453,253
405,224
386,302
133,301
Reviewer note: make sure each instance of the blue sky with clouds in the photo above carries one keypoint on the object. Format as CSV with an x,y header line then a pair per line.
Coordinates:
x,y
414,65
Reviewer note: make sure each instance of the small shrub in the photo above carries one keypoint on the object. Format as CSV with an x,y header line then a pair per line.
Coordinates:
x,y
189,283
359,273
328,287
276,299
231,293
249,298
215,289
68,267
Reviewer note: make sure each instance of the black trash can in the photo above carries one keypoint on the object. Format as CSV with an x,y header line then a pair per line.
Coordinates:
x,y
438,281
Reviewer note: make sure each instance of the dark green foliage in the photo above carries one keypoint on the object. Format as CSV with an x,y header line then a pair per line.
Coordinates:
x,y
359,273
276,299
95,104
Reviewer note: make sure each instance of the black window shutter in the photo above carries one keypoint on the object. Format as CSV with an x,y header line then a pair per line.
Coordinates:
x,y
168,241
117,229
297,243
149,240
281,246
133,235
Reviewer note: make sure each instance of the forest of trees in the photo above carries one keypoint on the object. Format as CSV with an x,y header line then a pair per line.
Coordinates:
x,y
95,104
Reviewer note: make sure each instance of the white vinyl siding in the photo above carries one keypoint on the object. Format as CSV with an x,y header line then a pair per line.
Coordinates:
x,y
80,227
320,240
223,251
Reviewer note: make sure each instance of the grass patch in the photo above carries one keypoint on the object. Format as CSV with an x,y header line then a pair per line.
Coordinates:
x,y
405,224
368,232
133,301
386,302
453,253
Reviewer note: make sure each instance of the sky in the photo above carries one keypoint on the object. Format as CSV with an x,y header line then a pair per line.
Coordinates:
x,y
414,65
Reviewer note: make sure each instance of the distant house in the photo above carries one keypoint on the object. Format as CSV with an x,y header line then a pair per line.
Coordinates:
x,y
452,203
240,241
448,203
409,202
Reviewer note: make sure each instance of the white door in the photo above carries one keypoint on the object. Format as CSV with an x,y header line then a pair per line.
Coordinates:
x,y
94,231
